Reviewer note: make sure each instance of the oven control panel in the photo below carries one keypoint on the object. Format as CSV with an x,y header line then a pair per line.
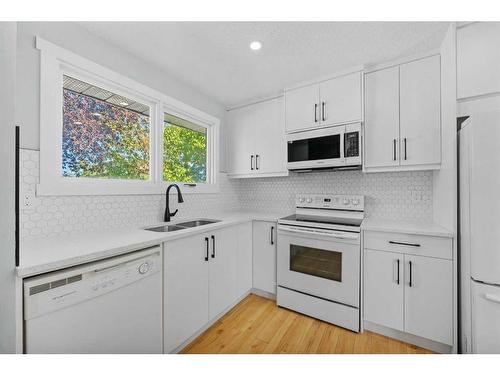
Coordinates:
x,y
336,202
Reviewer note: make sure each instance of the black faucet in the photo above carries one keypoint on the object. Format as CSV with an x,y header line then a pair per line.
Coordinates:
x,y
169,214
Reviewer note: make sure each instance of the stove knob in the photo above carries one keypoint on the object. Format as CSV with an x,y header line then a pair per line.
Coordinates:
x,y
355,201
301,200
309,200
346,201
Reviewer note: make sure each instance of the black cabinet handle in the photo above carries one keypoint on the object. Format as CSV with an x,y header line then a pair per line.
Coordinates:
x,y
257,162
323,111
272,235
394,149
404,243
251,162
315,112
405,149
213,246
206,254
410,284
398,273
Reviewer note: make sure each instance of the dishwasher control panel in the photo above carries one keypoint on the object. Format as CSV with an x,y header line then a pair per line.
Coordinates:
x,y
57,290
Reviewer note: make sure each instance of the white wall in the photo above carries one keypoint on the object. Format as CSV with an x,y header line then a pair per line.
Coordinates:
x,y
76,38
7,222
445,179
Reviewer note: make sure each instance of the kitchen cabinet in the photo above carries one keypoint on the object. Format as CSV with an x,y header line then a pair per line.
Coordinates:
x,y
185,289
403,117
382,118
334,101
201,280
384,286
429,298
256,140
478,58
244,262
264,256
222,270
421,303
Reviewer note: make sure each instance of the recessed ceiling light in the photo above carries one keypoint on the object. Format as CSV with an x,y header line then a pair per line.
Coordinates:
x,y
123,103
255,45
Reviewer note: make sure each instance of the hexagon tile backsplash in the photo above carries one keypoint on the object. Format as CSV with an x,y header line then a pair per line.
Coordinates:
x,y
405,195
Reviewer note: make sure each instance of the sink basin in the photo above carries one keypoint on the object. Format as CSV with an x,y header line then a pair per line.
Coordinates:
x,y
180,226
166,228
197,223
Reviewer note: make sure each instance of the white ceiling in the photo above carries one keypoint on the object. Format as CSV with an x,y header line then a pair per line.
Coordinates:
x,y
215,58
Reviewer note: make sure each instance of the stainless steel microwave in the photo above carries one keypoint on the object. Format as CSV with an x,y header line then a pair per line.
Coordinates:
x,y
337,147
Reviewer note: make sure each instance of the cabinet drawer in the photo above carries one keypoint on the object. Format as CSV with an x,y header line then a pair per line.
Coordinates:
x,y
437,247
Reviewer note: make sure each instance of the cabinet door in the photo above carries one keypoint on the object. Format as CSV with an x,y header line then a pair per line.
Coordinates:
x,y
270,145
429,298
240,128
383,288
382,118
420,98
244,266
302,108
264,256
222,275
185,290
341,99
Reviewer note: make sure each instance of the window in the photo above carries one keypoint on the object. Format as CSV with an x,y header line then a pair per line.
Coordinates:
x,y
184,150
103,133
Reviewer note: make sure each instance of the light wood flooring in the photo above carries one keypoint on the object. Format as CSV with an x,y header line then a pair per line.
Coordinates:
x,y
257,325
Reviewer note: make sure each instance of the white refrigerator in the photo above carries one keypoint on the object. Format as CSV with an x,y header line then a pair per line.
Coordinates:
x,y
479,184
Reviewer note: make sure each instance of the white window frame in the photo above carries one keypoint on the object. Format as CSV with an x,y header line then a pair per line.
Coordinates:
x,y
56,62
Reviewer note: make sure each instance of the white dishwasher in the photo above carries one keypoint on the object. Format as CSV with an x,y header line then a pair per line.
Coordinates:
x,y
109,306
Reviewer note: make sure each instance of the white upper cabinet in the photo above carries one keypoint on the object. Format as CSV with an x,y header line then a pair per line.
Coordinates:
x,y
335,101
478,59
382,118
256,144
403,117
341,100
302,108
420,108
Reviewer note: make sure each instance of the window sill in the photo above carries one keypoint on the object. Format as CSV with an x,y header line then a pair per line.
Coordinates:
x,y
111,187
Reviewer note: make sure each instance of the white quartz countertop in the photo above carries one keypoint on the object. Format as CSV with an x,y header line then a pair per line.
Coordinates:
x,y
406,226
42,255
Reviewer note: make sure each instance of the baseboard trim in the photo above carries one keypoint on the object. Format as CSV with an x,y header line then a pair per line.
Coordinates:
x,y
262,293
409,338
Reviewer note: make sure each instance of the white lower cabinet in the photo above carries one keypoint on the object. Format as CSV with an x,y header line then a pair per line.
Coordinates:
x,y
384,288
264,256
222,270
408,292
185,289
202,279
429,298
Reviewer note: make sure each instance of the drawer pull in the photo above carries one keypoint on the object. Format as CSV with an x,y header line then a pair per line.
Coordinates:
x,y
404,243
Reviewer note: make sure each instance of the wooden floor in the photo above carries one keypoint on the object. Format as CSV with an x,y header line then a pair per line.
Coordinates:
x,y
257,325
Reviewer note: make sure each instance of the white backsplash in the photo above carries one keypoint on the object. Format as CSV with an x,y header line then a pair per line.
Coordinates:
x,y
389,195
64,215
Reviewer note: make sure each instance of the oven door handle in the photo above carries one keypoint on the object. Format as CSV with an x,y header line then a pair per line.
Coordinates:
x,y
339,235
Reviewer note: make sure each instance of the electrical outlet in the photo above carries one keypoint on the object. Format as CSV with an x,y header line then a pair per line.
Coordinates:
x,y
27,199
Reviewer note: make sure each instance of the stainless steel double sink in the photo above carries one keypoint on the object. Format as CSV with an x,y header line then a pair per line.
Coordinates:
x,y
184,225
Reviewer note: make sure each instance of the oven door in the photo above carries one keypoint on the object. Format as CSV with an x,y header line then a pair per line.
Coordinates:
x,y
321,263
322,148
